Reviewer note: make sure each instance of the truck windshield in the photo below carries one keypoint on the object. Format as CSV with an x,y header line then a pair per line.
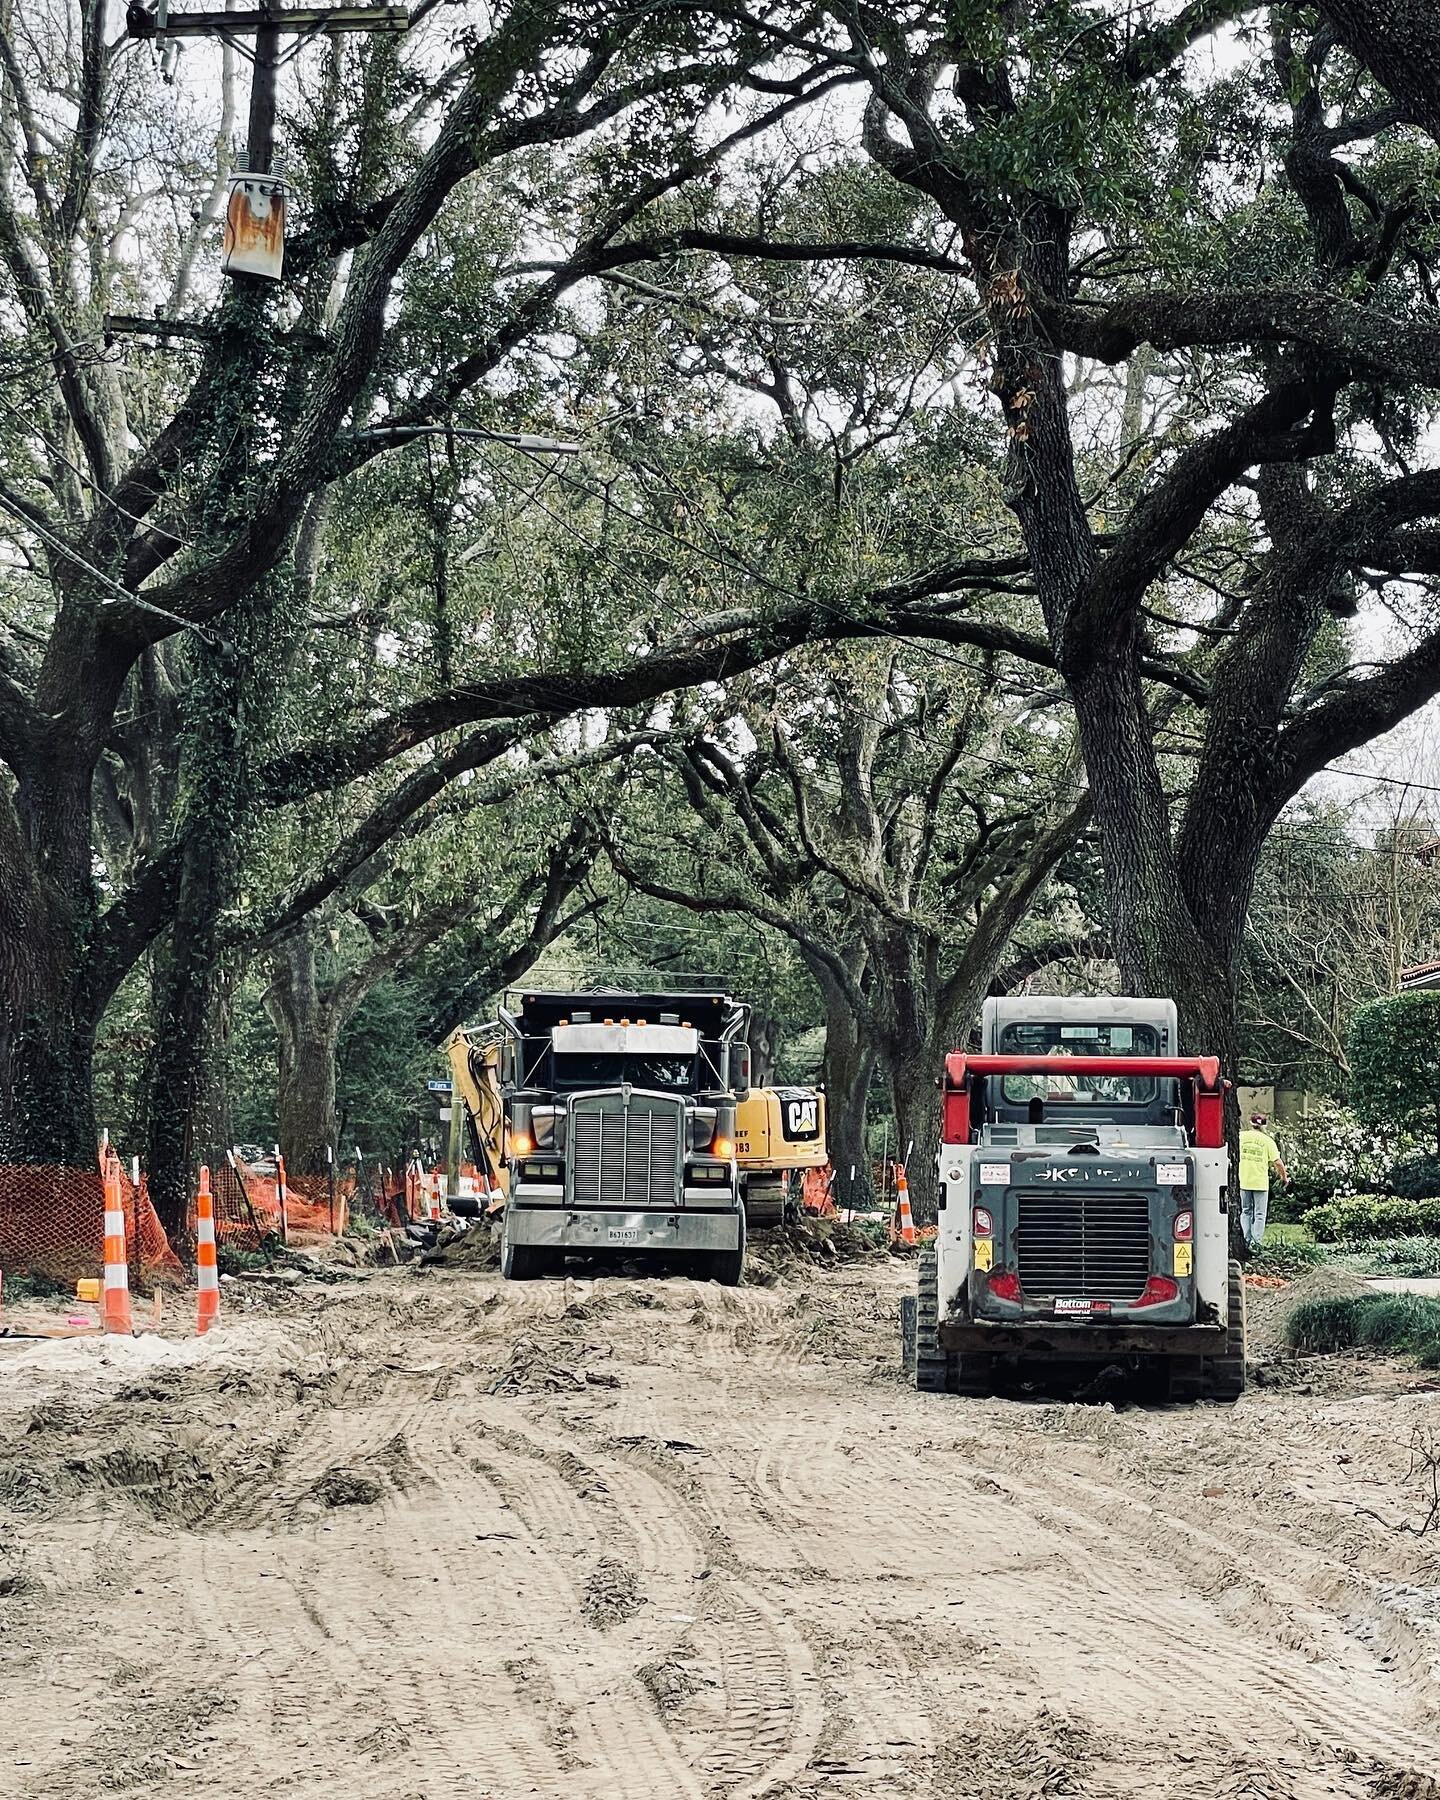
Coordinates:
x,y
1039,1037
606,1069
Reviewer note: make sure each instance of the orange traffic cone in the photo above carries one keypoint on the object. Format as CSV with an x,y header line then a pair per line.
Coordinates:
x,y
905,1219
115,1295
207,1275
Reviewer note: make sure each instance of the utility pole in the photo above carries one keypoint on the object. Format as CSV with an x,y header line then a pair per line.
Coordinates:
x,y
255,217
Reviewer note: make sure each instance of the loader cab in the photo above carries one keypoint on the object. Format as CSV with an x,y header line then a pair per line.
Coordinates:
x,y
1060,1030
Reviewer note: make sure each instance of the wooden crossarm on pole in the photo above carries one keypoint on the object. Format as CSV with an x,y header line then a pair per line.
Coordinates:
x,y
297,21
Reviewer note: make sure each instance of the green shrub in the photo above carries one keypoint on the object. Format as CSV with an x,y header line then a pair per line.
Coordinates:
x,y
1329,1152
1405,1323
1373,1216
1394,1052
34,1284
1415,1177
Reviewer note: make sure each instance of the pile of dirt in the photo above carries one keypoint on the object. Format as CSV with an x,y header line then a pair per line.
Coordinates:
x,y
1050,1753
669,1682
473,1249
773,1256
1268,1309
168,1481
346,1487
554,1369
611,1594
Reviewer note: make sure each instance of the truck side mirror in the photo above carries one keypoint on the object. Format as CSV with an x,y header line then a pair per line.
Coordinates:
x,y
740,1071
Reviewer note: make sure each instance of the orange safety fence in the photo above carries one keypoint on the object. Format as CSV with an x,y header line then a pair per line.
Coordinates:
x,y
52,1224
247,1206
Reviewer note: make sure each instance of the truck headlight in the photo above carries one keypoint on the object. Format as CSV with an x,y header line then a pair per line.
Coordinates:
x,y
709,1172
540,1171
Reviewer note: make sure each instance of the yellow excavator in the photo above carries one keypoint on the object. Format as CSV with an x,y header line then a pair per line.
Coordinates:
x,y
627,1120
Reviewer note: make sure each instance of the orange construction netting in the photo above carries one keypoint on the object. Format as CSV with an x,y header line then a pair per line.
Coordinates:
x,y
247,1206
52,1224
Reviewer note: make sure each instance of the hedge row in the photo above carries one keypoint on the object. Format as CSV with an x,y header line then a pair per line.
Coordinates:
x,y
1373,1216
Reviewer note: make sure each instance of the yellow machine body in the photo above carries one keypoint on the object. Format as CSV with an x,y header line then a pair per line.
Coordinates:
x,y
474,1054
781,1129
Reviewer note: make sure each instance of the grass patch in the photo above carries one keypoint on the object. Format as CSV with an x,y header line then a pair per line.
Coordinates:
x,y
1286,1234
1390,1256
35,1286
1402,1324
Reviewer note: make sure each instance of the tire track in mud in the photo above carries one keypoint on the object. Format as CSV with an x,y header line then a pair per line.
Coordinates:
x,y
765,1717
767,1721
1161,1642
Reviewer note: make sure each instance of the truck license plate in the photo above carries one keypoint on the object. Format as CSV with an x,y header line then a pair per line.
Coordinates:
x,y
1067,1306
617,1236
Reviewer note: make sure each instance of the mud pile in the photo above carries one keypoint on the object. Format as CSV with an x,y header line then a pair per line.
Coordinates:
x,y
801,1248
471,1250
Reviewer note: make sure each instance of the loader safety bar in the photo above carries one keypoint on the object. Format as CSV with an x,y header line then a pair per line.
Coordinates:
x,y
1202,1072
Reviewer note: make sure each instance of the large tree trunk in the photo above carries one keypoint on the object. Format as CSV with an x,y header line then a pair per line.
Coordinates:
x,y
48,1009
917,1119
308,1023
849,1064
190,984
188,1003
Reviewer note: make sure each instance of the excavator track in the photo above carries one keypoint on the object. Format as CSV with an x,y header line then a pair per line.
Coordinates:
x,y
764,1203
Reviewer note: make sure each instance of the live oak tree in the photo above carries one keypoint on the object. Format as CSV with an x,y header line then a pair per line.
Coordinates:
x,y
1261,234
898,828
148,509
1200,289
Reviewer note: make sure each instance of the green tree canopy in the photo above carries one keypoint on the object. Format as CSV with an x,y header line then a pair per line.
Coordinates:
x,y
1395,1062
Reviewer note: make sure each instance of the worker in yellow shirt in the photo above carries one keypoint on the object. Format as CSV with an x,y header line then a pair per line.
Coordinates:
x,y
1259,1154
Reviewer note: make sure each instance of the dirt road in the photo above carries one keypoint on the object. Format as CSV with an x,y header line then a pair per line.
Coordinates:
x,y
431,1537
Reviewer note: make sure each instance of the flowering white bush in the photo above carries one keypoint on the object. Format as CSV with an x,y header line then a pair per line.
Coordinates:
x,y
1330,1154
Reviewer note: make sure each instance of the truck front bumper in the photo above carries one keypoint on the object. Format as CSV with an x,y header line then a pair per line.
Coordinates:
x,y
629,1233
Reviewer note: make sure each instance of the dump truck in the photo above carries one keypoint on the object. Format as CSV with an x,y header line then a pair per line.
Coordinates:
x,y
1081,1196
625,1122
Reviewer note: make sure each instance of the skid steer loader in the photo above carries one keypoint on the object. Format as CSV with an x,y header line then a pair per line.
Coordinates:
x,y
1081,1192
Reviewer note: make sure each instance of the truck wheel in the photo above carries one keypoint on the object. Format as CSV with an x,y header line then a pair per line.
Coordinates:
x,y
523,1262
1225,1377
725,1266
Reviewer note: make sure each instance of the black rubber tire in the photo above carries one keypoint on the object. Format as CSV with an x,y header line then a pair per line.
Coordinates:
x,y
727,1267
1225,1376
524,1262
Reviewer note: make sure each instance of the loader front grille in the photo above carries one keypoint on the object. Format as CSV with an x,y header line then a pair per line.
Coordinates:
x,y
625,1156
1086,1243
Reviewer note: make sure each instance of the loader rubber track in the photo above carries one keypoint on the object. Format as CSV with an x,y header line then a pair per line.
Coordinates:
x,y
940,1371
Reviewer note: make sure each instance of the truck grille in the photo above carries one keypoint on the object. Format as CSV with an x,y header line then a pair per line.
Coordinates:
x,y
1089,1243
625,1157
